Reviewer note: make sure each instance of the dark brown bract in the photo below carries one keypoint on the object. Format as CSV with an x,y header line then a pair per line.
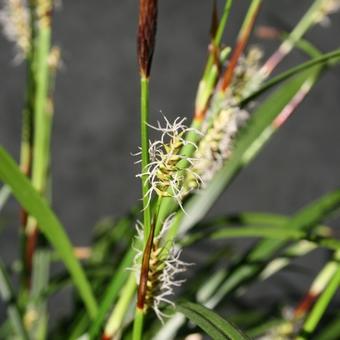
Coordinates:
x,y
147,28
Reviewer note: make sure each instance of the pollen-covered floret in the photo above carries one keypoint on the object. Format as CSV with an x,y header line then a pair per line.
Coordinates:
x,y
216,146
44,11
164,265
246,77
168,165
225,117
14,17
327,8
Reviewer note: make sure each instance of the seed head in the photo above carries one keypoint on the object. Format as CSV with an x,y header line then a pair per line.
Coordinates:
x,y
44,12
14,17
168,168
216,146
164,265
54,58
147,27
225,117
246,75
327,8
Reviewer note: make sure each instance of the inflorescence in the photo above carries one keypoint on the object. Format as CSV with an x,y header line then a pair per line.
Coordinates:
x,y
169,166
15,19
164,265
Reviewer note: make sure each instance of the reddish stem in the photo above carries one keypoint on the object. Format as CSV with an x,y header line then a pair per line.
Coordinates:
x,y
305,305
144,274
239,48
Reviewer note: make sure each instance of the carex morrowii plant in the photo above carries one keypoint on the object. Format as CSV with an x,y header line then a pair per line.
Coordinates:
x,y
133,282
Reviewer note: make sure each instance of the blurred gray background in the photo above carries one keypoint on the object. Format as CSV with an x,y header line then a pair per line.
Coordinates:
x,y
96,124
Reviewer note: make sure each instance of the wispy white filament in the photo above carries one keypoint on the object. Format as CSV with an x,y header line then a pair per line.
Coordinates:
x,y
165,175
15,19
169,265
328,7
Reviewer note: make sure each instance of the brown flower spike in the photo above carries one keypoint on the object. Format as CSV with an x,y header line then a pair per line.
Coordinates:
x,y
147,27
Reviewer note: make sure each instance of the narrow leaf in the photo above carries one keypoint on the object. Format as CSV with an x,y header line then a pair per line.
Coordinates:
x,y
8,297
49,225
5,193
331,57
111,293
250,265
210,322
320,306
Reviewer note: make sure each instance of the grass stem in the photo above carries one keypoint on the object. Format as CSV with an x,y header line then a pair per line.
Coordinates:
x,y
145,152
42,119
306,22
242,40
321,304
8,296
138,325
115,321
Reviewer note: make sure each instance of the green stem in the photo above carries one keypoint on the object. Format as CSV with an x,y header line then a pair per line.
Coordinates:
x,y
145,153
111,293
27,119
27,123
42,127
218,37
223,22
242,40
327,58
37,304
116,319
210,74
322,303
138,325
306,22
13,311
249,19
42,117
26,149
5,193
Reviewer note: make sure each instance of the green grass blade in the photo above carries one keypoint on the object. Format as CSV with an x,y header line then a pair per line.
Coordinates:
x,y
238,225
8,297
49,225
258,231
212,279
37,304
307,48
111,293
251,265
324,59
243,219
320,306
210,322
331,331
318,236
5,193
112,235
112,239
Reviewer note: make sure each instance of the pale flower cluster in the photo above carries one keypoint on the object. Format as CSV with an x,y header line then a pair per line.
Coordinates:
x,y
15,19
165,265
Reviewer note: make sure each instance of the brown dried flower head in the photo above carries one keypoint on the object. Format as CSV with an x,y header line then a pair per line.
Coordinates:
x,y
147,27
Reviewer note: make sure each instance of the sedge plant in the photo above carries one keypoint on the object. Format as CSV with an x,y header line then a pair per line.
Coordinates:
x,y
133,283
